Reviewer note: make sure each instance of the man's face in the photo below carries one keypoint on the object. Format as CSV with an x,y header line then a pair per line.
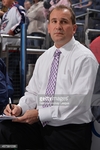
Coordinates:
x,y
27,5
60,27
7,3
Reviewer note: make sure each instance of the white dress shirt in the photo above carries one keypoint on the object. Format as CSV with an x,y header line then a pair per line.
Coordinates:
x,y
75,82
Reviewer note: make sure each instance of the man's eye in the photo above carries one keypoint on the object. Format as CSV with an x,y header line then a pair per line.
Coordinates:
x,y
54,21
63,22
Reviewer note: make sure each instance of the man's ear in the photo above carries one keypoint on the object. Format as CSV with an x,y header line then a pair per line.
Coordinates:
x,y
74,28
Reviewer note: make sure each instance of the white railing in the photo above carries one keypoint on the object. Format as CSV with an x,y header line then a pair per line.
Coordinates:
x,y
3,53
89,11
87,41
29,50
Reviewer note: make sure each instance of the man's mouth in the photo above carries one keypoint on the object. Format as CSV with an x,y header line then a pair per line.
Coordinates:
x,y
58,33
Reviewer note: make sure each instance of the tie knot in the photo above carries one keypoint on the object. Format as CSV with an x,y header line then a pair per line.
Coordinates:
x,y
57,53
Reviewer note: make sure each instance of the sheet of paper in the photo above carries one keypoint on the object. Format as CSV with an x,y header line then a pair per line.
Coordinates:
x,y
5,117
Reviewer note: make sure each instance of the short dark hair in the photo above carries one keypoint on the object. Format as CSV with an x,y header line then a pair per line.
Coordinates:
x,y
61,7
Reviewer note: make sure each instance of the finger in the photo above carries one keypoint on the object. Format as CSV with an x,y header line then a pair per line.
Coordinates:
x,y
16,111
7,111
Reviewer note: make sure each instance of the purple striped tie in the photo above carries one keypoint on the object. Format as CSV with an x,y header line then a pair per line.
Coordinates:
x,y
51,86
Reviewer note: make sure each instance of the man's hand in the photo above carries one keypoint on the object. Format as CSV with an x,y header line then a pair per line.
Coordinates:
x,y
15,111
30,117
11,32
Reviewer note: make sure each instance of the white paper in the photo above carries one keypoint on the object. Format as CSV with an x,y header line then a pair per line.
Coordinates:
x,y
5,117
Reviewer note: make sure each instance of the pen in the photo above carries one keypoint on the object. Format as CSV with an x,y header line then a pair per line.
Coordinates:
x,y
10,103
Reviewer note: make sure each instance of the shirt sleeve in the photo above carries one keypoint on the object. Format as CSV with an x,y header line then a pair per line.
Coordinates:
x,y
29,100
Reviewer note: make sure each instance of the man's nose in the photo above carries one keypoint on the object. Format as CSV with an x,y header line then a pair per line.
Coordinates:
x,y
58,25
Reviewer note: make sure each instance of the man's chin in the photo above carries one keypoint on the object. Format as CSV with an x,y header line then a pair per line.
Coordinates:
x,y
58,39
59,42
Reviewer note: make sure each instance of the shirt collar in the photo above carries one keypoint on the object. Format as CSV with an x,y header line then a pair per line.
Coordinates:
x,y
67,47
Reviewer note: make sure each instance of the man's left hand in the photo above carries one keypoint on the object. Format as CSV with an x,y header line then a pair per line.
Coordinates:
x,y
30,117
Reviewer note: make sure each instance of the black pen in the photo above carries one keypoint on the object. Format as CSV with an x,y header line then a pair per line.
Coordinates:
x,y
10,103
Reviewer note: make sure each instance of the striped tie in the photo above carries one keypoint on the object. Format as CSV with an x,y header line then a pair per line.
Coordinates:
x,y
51,86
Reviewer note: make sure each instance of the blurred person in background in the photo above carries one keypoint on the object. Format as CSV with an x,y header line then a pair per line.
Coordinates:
x,y
55,3
85,3
37,23
50,4
36,27
82,6
11,25
11,21
27,5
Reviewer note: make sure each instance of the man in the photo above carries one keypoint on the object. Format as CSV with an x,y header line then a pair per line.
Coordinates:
x,y
58,117
11,22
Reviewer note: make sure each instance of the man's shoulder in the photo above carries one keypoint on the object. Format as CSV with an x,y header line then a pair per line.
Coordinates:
x,y
82,51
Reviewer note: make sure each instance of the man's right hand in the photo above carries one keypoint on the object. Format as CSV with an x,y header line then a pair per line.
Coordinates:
x,y
15,111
